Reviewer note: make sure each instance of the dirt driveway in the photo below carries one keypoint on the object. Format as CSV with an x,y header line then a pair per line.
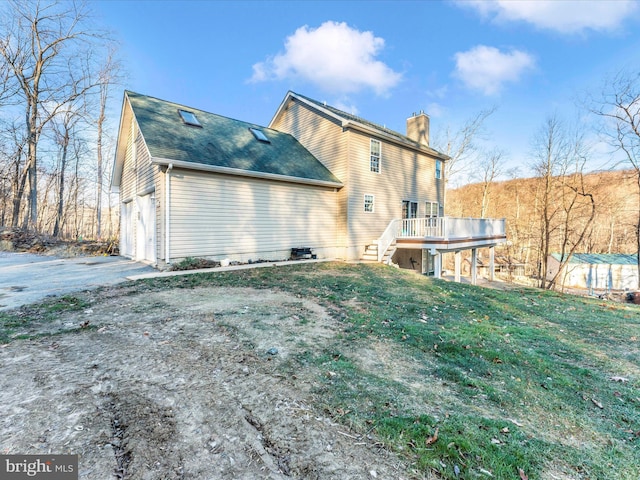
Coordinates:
x,y
28,278
183,384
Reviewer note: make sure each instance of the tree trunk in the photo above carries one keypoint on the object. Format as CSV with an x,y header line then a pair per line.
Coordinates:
x,y
485,200
564,261
63,164
19,187
638,228
32,155
99,173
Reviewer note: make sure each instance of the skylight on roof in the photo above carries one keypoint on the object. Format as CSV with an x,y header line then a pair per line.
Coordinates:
x,y
259,134
189,118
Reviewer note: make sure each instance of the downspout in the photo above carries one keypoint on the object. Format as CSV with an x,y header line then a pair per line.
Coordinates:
x,y
167,210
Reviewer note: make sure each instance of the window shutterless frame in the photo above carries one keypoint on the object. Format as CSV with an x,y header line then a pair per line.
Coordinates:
x,y
431,209
375,155
438,169
369,201
409,209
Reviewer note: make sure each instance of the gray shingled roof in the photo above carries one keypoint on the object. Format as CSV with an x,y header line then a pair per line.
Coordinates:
x,y
221,142
600,258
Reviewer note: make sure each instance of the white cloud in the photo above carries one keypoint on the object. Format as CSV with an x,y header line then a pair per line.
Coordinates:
x,y
435,110
346,106
487,68
334,56
564,16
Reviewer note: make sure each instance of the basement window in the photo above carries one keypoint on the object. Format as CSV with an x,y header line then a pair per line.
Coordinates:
x,y
189,118
259,134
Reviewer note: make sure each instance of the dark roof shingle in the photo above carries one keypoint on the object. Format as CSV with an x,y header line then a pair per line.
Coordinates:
x,y
221,142
600,258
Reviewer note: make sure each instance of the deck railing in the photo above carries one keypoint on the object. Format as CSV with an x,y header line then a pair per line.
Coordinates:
x,y
441,228
387,238
450,228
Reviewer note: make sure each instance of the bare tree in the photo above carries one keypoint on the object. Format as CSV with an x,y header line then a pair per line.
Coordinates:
x,y
109,74
619,106
45,49
462,145
490,167
578,206
14,161
65,130
566,206
550,153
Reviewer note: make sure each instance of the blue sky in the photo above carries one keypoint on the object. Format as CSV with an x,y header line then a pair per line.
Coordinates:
x,y
381,60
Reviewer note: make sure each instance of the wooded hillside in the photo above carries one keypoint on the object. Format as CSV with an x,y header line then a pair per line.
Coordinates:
x,y
57,74
611,230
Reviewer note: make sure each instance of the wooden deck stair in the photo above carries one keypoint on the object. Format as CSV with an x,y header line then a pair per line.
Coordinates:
x,y
371,253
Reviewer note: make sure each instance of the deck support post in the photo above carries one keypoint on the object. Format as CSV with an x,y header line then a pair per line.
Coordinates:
x,y
474,266
425,261
492,268
437,263
457,257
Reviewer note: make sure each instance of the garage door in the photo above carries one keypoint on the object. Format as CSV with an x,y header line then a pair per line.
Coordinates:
x,y
146,229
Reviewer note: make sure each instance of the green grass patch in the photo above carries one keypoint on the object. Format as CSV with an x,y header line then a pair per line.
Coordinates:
x,y
523,379
540,364
34,321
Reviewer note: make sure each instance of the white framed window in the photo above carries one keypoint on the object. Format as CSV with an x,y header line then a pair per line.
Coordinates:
x,y
369,201
409,209
431,209
438,169
375,156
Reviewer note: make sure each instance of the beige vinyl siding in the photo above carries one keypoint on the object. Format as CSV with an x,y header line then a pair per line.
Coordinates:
x,y
324,137
220,216
319,133
144,169
405,174
129,169
158,181
139,177
127,191
149,180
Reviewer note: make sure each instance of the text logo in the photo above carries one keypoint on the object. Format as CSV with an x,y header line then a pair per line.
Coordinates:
x,y
39,467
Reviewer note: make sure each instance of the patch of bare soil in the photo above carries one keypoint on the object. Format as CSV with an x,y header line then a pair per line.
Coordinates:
x,y
183,384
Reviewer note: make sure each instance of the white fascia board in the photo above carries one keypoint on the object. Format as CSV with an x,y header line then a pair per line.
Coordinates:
x,y
281,107
314,105
118,156
245,173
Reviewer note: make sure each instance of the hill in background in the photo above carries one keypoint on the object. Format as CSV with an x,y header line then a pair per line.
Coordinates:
x,y
521,203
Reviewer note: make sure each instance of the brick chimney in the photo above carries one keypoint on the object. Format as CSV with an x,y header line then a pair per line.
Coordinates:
x,y
418,128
